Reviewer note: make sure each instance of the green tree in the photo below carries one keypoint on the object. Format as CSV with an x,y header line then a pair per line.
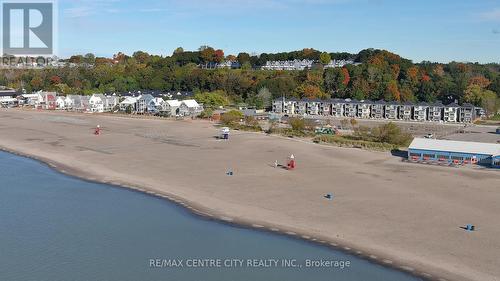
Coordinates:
x,y
265,96
335,81
246,66
231,118
391,133
250,121
207,113
179,50
297,124
89,58
212,99
63,89
243,58
325,58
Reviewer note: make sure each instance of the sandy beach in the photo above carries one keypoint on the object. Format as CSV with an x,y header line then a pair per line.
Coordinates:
x,y
399,214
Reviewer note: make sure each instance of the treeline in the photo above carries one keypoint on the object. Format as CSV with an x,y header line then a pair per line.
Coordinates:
x,y
381,75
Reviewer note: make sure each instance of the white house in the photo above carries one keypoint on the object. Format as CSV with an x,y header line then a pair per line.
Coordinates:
x,y
110,102
84,103
172,107
190,108
338,63
142,103
7,97
61,102
288,65
33,99
8,101
128,102
156,105
96,103
69,102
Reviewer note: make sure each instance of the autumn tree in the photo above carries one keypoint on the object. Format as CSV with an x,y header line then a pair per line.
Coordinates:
x,y
380,75
392,92
76,59
141,57
120,57
36,83
480,81
307,52
218,56
309,91
54,80
485,98
412,74
207,54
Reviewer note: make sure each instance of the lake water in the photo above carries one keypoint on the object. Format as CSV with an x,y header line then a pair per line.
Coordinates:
x,y
58,228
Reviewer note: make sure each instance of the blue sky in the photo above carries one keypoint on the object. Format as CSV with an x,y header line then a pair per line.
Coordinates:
x,y
438,30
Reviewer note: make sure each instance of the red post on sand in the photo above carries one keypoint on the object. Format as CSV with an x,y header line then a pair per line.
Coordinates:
x,y
97,130
291,163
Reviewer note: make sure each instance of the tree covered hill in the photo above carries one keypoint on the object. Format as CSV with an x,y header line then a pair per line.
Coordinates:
x,y
380,75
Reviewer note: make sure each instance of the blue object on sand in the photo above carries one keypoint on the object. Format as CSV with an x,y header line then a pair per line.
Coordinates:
x,y
470,227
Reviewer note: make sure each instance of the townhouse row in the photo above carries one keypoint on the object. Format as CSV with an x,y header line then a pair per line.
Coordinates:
x,y
147,103
435,112
98,103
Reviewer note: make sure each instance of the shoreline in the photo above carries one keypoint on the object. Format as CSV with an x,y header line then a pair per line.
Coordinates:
x,y
208,214
380,214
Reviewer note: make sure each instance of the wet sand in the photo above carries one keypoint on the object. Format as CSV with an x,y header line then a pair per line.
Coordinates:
x,y
400,214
